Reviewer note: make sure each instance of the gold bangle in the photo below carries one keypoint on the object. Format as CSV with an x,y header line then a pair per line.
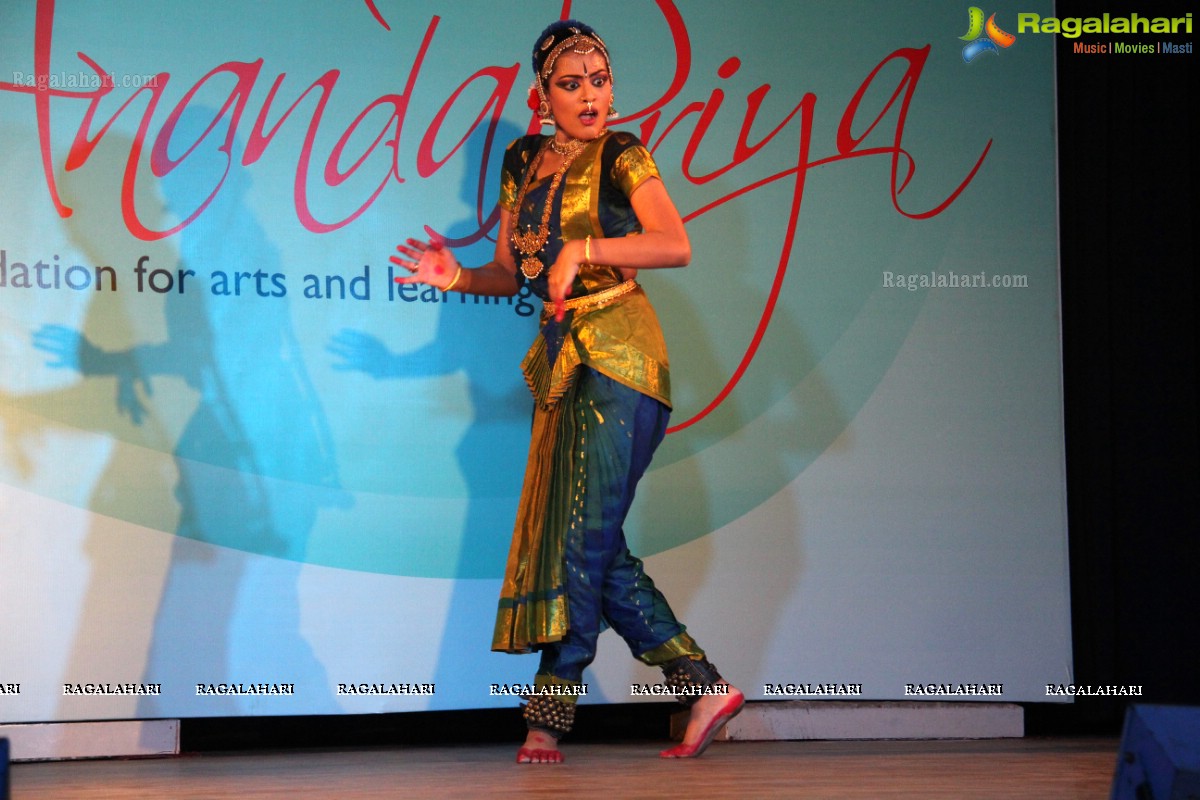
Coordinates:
x,y
587,250
457,275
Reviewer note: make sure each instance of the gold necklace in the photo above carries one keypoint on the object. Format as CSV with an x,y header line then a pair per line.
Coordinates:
x,y
530,242
570,147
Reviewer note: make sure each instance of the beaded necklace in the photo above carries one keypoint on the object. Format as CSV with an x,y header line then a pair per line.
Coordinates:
x,y
530,242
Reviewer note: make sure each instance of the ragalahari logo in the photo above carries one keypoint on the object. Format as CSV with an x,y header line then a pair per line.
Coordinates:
x,y
983,37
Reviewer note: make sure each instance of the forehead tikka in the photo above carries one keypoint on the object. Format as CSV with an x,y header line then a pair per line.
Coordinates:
x,y
580,44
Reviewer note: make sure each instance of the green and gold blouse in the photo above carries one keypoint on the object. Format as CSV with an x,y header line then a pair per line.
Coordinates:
x,y
622,338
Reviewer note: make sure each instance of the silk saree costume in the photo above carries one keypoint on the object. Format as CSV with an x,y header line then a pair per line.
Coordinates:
x,y
601,388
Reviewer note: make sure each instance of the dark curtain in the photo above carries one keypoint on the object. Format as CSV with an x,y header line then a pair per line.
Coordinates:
x,y
1127,143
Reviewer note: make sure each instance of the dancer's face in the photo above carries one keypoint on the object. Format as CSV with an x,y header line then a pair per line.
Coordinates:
x,y
580,95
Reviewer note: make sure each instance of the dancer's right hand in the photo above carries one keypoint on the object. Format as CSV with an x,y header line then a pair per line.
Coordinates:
x,y
429,262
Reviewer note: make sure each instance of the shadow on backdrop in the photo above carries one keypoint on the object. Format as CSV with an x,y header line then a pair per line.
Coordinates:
x,y
254,460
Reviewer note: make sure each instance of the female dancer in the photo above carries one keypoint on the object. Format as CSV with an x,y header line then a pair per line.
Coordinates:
x,y
582,210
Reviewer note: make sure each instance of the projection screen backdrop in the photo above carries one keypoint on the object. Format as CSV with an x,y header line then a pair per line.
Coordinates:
x,y
234,452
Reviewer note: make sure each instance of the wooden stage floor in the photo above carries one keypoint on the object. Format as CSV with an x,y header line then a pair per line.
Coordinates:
x,y
1009,768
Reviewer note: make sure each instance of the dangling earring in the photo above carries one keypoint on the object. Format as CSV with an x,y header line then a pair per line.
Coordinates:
x,y
538,103
612,110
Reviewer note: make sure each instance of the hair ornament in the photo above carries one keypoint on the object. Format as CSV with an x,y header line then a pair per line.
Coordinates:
x,y
562,36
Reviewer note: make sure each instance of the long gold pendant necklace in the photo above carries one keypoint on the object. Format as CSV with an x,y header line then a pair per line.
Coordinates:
x,y
530,242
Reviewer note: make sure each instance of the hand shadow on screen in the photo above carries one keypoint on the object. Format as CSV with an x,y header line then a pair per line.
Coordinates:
x,y
254,460
492,451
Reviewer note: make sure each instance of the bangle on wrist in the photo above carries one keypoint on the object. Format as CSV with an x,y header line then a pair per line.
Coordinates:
x,y
457,275
587,250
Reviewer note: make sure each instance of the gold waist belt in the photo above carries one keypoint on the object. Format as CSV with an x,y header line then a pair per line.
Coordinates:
x,y
596,299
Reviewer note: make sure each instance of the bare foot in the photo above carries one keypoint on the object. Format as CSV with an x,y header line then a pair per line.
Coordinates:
x,y
709,715
539,748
